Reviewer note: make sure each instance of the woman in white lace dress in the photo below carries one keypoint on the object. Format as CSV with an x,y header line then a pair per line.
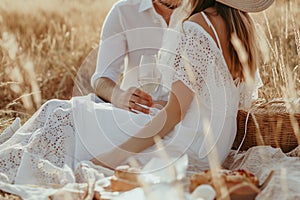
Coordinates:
x,y
208,87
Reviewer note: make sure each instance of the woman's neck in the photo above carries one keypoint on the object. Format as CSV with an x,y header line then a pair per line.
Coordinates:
x,y
211,11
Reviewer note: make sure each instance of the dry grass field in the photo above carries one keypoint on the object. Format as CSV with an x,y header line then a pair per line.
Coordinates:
x,y
43,44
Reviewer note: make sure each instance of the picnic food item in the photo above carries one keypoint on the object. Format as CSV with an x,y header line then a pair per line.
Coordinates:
x,y
125,178
239,183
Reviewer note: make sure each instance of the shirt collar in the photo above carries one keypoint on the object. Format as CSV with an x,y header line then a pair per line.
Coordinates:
x,y
145,5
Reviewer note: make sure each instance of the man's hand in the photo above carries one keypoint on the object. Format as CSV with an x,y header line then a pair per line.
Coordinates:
x,y
133,99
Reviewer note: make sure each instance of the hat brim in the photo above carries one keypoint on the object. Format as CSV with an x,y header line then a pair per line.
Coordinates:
x,y
248,5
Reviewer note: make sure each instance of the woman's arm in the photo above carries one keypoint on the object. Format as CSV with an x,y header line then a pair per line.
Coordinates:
x,y
180,99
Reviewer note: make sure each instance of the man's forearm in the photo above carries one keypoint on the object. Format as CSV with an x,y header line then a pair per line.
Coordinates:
x,y
105,88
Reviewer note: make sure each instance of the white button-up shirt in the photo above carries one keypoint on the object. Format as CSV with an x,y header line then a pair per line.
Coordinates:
x,y
131,29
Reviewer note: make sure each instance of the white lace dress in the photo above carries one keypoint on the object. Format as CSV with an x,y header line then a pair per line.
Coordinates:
x,y
62,134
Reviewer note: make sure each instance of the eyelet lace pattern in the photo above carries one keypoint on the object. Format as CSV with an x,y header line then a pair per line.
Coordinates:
x,y
200,65
48,135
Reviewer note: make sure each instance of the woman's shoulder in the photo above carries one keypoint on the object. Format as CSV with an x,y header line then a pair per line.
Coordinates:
x,y
199,20
196,25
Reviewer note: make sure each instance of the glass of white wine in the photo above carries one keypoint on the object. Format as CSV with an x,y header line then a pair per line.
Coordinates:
x,y
149,76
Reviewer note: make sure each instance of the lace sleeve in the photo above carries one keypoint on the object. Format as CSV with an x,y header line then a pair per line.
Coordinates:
x,y
249,94
193,57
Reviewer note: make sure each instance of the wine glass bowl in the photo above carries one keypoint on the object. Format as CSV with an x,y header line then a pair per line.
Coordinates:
x,y
149,76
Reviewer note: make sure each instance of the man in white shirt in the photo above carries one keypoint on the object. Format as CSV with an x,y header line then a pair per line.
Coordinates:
x,y
131,29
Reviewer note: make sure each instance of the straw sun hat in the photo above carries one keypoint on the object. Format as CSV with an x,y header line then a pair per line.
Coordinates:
x,y
248,5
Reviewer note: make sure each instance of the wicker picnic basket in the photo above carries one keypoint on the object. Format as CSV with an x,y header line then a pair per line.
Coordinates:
x,y
273,123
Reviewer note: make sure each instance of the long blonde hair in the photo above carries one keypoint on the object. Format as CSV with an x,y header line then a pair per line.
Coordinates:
x,y
241,25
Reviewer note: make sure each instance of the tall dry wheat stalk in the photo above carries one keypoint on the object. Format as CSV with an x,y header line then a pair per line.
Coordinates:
x,y
281,75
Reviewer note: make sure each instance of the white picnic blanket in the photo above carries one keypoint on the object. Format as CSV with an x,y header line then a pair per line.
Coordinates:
x,y
87,178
